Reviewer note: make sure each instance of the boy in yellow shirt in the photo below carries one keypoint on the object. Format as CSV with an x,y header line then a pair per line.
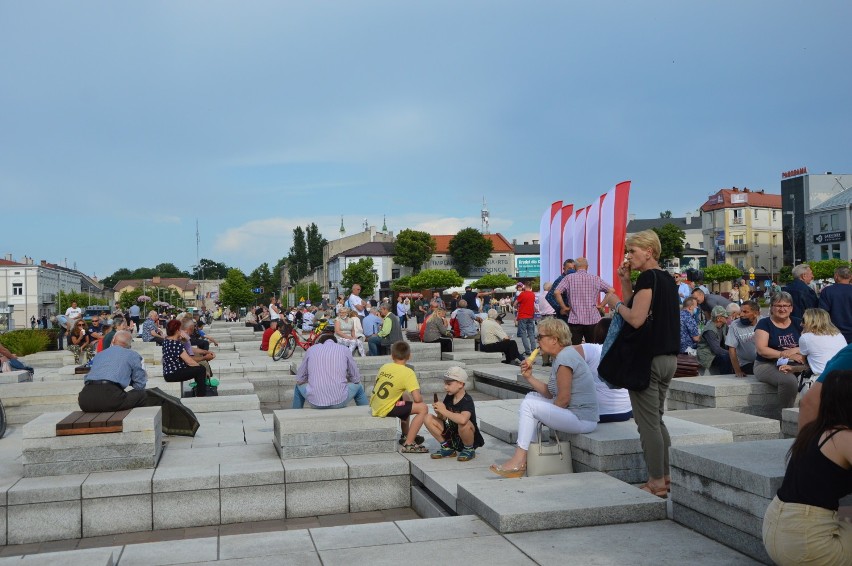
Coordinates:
x,y
393,380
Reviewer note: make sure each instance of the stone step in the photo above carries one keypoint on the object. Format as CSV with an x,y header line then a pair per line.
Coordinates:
x,y
15,376
741,394
340,432
555,502
742,425
222,404
473,357
790,422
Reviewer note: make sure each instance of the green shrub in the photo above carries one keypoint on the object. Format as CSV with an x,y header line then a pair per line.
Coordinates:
x,y
26,341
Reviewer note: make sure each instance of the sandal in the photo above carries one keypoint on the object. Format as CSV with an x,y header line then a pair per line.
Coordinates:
x,y
414,449
417,440
509,472
662,492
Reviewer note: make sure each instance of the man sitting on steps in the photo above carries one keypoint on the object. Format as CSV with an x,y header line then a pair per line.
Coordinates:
x,y
328,377
112,371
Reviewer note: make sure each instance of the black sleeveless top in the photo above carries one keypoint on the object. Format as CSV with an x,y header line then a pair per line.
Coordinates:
x,y
815,480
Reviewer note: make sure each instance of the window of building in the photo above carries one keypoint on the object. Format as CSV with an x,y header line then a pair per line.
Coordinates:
x,y
774,239
756,239
755,214
835,221
18,289
701,244
741,264
829,251
739,238
823,222
394,273
774,213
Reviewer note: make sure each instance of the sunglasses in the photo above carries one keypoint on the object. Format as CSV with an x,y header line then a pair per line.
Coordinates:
x,y
540,336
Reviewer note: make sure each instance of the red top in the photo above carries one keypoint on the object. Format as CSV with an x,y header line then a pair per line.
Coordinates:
x,y
264,341
526,305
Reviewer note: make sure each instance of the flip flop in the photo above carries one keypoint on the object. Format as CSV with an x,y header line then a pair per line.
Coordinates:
x,y
662,492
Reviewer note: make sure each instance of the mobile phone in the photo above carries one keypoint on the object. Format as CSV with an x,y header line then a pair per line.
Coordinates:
x,y
435,396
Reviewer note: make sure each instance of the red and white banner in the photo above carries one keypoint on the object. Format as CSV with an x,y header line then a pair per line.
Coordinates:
x,y
596,232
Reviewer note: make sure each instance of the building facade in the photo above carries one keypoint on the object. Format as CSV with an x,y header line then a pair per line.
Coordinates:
x,y
694,253
502,258
527,259
742,227
801,193
28,289
828,227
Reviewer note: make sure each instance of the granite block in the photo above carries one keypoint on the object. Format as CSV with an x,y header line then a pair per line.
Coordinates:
x,y
317,498
567,500
342,449
49,456
376,493
346,419
170,552
106,556
116,515
245,474
375,465
253,503
86,466
425,506
225,403
186,478
718,531
727,495
623,437
142,419
756,467
279,544
3,512
46,490
336,437
446,528
632,476
355,536
315,469
43,426
731,516
741,425
178,509
790,422
116,484
88,441
40,522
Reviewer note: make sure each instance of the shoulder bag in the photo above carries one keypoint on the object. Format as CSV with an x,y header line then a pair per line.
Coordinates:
x,y
549,459
627,363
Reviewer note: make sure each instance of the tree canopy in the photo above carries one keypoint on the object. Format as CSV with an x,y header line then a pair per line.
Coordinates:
x,y
666,214
169,270
235,291
413,248
721,272
436,279
315,243
469,248
263,277
825,269
209,269
360,272
671,241
298,258
493,281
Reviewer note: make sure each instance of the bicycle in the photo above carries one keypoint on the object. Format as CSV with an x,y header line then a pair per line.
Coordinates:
x,y
293,338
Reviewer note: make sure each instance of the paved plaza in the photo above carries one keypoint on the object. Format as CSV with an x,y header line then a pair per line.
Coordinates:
x,y
255,486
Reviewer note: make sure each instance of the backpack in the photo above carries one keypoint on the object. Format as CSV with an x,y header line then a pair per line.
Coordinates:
x,y
454,325
423,327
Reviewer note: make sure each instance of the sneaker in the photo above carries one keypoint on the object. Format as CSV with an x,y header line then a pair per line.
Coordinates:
x,y
466,455
443,452
414,449
417,440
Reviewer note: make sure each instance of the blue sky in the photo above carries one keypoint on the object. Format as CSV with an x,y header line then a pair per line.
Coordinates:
x,y
122,123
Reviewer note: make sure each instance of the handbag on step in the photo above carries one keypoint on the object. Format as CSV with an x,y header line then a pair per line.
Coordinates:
x,y
549,459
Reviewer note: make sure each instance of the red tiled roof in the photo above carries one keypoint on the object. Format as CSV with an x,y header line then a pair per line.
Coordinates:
x,y
726,198
501,244
7,262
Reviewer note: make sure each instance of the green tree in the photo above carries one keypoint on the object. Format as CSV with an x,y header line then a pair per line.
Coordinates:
x,y
209,269
360,272
469,248
401,283
170,270
309,292
666,214
493,281
825,269
262,277
436,279
128,298
785,274
298,258
413,248
721,272
315,243
83,300
235,292
671,241
119,274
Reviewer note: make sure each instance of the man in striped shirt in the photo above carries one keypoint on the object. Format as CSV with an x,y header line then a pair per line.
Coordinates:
x,y
584,293
328,377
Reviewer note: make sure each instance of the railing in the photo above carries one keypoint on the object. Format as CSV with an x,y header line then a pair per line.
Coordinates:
x,y
737,247
738,220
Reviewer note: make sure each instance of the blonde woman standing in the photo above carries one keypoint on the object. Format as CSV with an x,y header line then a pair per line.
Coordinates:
x,y
820,340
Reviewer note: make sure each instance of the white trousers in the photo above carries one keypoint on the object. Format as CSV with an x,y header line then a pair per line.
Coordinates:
x,y
535,408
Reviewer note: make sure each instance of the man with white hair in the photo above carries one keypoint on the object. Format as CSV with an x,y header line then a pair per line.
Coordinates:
x,y
800,289
837,301
113,370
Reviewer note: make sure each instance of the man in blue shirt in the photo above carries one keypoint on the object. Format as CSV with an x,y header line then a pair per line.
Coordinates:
x,y
372,323
113,370
837,300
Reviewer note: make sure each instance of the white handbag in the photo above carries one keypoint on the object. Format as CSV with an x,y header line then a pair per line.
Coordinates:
x,y
549,459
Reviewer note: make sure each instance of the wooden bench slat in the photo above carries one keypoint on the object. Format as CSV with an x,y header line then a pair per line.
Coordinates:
x,y
99,430
68,422
85,420
102,419
118,417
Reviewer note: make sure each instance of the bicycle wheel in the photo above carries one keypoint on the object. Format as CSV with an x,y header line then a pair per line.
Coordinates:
x,y
2,420
289,347
278,349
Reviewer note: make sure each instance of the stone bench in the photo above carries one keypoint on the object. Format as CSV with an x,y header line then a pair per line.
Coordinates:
x,y
615,449
742,425
473,357
741,394
15,376
26,401
722,491
790,423
219,404
305,433
138,445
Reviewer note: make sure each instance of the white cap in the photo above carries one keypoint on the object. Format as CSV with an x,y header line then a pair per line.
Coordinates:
x,y
455,373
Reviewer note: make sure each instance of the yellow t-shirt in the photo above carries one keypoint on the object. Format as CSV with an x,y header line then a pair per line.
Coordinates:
x,y
391,382
273,341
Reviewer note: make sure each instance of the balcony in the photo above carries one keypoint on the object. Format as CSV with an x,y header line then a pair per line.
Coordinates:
x,y
734,248
738,220
48,298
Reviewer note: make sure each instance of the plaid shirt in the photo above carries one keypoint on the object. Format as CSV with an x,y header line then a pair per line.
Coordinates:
x,y
583,291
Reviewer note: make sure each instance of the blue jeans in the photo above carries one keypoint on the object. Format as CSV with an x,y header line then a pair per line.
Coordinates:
x,y
16,364
355,391
373,342
526,332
